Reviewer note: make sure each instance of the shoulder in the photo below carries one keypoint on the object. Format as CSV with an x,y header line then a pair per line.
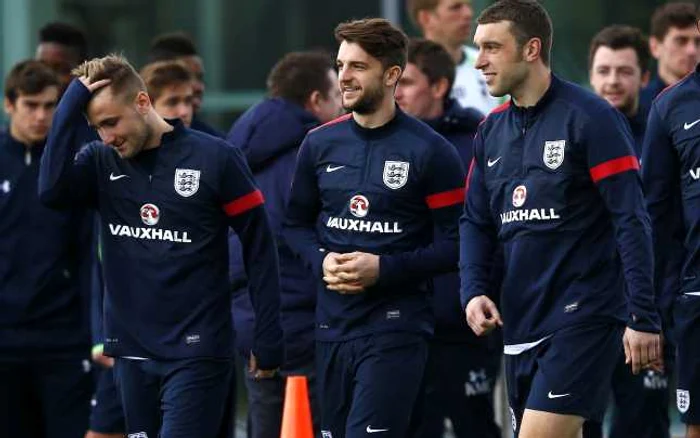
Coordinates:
x,y
339,124
675,94
495,116
590,110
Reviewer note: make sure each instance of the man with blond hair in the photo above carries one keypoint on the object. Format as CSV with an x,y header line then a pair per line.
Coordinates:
x,y
167,196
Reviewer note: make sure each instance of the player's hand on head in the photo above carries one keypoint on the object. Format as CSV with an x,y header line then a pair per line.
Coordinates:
x,y
642,350
482,315
94,86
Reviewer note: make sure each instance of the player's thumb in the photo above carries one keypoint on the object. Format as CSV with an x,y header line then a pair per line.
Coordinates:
x,y
492,311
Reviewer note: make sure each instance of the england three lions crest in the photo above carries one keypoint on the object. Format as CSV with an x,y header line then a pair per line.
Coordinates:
x,y
395,174
186,182
553,155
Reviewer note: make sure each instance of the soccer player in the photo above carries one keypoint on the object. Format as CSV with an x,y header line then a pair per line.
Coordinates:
x,y
462,368
304,93
555,182
178,46
170,87
167,196
45,379
670,174
62,47
448,23
674,43
368,191
619,68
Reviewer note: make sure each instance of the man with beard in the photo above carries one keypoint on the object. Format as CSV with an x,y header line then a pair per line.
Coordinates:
x,y
675,44
554,183
618,66
368,192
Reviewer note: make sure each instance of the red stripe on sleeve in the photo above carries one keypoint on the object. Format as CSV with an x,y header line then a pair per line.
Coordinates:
x,y
445,199
244,203
469,174
613,167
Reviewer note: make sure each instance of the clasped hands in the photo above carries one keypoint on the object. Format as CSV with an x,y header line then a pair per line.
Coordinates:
x,y
350,273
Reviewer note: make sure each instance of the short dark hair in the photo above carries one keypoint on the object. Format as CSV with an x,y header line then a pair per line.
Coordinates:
x,y
528,20
170,46
159,75
66,35
679,14
415,6
29,77
298,74
618,37
432,59
378,37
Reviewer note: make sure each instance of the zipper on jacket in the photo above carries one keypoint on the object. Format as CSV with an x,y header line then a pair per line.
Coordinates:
x,y
27,157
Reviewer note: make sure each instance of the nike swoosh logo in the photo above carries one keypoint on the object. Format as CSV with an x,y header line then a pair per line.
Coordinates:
x,y
550,395
113,177
370,430
687,126
491,163
330,168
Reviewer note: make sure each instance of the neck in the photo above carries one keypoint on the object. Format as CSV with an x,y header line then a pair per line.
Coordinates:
x,y
159,127
384,113
436,110
633,109
667,76
531,90
455,50
20,138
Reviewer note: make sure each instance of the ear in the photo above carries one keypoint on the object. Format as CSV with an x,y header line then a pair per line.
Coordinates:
x,y
143,102
422,19
313,102
655,47
8,106
440,88
532,49
645,78
392,75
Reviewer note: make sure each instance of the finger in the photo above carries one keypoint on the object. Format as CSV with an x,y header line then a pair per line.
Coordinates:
x,y
99,84
333,279
628,349
346,287
644,358
493,311
636,358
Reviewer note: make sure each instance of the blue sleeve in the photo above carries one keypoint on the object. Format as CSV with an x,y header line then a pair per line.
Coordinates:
x,y
477,233
303,208
444,194
661,178
614,168
243,203
67,174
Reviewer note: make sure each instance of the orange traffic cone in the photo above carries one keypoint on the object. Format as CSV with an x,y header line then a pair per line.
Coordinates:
x,y
296,420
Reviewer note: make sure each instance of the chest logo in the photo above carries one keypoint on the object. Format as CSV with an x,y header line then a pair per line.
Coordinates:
x,y
519,196
359,206
150,214
186,182
395,174
553,155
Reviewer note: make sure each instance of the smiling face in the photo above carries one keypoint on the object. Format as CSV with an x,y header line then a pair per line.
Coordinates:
x,y
361,79
617,77
500,58
120,121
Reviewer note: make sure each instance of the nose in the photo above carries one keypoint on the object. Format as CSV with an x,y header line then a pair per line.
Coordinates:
x,y
183,111
480,62
106,136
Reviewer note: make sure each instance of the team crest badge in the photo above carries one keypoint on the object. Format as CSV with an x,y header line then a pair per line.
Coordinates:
x,y
553,155
186,182
395,174
682,400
